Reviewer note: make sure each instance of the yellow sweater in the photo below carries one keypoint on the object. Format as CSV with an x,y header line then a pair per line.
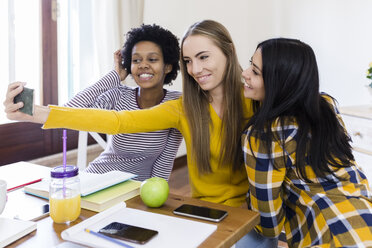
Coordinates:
x,y
221,186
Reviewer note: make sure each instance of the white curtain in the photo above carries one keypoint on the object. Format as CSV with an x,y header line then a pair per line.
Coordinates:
x,y
89,32
112,20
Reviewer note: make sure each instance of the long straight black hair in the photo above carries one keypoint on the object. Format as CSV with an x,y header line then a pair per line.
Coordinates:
x,y
291,82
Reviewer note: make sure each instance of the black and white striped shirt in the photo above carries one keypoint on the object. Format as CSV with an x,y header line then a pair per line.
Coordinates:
x,y
145,154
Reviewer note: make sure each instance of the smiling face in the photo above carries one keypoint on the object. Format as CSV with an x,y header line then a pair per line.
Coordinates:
x,y
205,62
254,84
147,65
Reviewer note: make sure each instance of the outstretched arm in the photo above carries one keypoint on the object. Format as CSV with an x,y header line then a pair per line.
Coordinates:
x,y
11,109
163,116
41,113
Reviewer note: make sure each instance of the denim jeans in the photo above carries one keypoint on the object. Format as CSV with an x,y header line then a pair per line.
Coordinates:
x,y
256,240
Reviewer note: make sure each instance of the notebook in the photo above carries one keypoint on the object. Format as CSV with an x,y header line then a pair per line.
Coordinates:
x,y
89,182
30,173
97,201
108,197
13,229
36,209
173,231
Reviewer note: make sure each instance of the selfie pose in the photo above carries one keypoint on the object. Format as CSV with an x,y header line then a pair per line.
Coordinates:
x,y
210,115
301,170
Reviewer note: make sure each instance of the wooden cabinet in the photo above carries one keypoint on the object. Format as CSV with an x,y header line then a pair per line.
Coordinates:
x,y
358,122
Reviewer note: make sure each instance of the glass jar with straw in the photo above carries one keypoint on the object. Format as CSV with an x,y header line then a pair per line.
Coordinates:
x,y
64,191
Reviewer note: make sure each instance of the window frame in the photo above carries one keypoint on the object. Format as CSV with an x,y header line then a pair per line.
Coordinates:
x,y
25,141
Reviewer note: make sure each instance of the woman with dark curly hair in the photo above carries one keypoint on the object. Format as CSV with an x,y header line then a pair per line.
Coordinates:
x,y
164,39
150,55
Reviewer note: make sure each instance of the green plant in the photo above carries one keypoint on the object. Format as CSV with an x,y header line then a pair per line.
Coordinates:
x,y
369,74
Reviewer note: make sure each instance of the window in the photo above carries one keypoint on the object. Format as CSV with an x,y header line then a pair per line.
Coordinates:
x,y
76,52
85,54
19,22
31,48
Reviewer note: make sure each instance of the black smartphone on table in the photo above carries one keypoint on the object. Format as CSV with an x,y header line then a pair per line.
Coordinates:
x,y
204,213
127,232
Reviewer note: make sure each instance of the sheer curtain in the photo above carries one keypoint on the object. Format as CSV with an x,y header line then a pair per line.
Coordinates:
x,y
89,31
20,46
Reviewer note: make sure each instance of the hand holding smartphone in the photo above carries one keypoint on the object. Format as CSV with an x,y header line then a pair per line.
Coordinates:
x,y
203,213
27,97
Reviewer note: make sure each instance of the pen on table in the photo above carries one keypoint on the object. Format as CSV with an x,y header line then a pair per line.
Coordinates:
x,y
22,185
107,238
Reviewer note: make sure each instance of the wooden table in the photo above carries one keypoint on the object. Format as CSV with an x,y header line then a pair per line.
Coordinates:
x,y
238,222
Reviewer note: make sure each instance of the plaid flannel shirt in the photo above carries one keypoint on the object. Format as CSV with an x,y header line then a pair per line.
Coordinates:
x,y
318,214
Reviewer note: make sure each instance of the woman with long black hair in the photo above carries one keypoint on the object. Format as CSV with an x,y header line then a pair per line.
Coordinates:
x,y
301,170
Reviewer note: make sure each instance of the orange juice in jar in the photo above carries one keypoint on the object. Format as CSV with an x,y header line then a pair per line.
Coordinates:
x,y
64,194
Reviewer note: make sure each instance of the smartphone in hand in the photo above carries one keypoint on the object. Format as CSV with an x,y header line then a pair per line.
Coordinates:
x,y
203,213
27,97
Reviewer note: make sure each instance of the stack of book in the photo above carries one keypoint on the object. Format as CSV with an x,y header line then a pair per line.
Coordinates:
x,y
98,191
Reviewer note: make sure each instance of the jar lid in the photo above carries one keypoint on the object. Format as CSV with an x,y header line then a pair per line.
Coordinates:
x,y
61,172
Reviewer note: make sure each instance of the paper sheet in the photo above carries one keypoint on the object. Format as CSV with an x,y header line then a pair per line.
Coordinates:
x,y
173,231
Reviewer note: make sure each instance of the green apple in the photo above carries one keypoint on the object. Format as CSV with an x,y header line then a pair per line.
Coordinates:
x,y
154,191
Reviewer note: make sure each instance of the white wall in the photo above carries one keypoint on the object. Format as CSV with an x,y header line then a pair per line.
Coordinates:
x,y
340,33
338,30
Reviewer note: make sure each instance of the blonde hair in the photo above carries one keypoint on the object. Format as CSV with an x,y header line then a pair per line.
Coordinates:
x,y
196,102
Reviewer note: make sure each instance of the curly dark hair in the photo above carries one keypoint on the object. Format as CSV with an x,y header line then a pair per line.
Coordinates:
x,y
167,41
